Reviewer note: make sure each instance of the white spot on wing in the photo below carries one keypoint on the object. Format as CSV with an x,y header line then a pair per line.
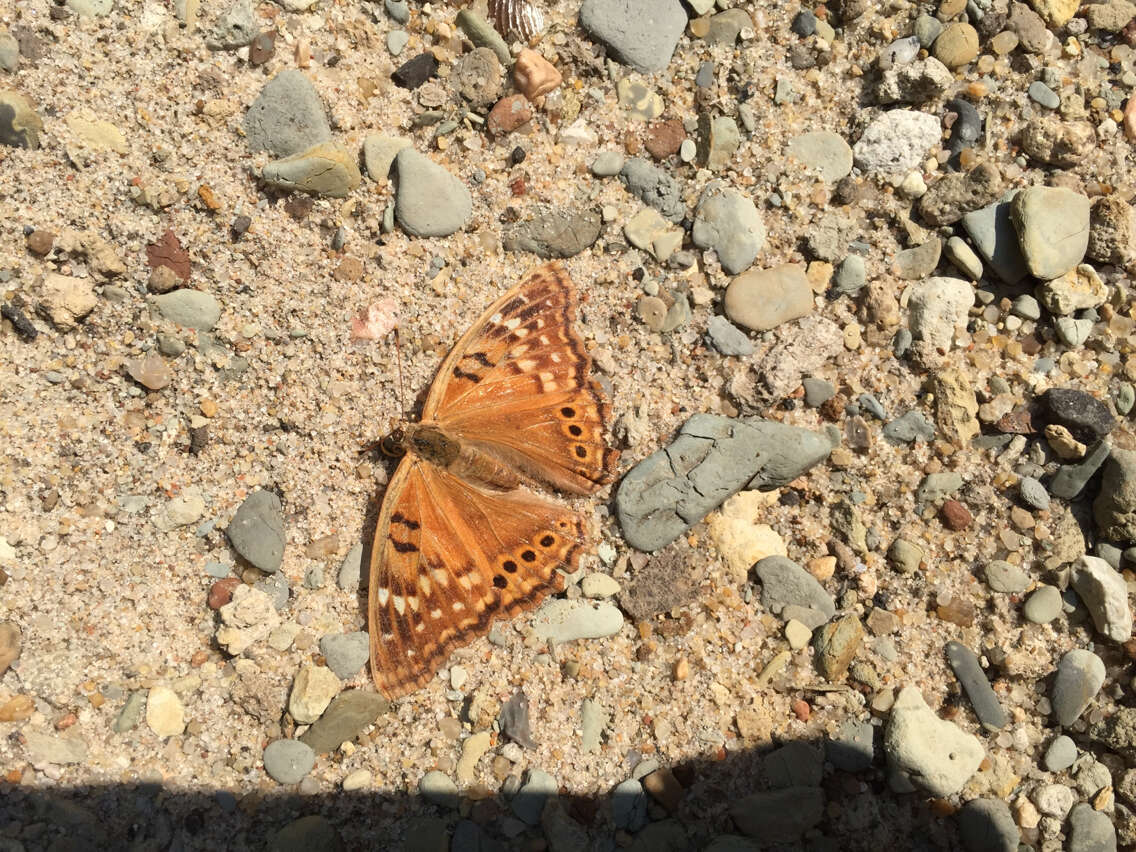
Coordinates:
x,y
496,318
512,323
424,584
383,596
440,576
399,604
435,613
458,606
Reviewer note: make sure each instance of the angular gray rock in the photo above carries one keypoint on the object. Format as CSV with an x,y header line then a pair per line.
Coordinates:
x,y
287,116
556,233
1053,229
729,223
785,583
1105,594
429,201
639,33
1114,510
1080,675
257,531
896,141
654,187
711,459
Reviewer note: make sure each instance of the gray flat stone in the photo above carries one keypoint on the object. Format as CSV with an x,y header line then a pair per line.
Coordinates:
x,y
964,663
429,201
528,804
1071,479
556,233
1060,754
785,583
853,749
288,761
1080,675
727,338
711,459
729,223
189,308
1003,576
346,653
986,825
1053,229
639,33
562,620
655,188
823,152
257,531
287,116
779,816
1090,830
347,715
993,234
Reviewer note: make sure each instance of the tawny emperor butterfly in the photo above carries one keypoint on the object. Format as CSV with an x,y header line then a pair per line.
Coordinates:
x,y
460,539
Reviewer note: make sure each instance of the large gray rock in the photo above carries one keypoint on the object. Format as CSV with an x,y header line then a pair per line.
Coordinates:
x,y
1115,509
1080,675
712,458
1053,229
287,116
1105,594
429,201
257,531
729,223
639,33
934,753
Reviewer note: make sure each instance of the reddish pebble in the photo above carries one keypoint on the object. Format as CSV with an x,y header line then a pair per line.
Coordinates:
x,y
517,187
802,709
198,659
664,138
508,114
221,592
956,516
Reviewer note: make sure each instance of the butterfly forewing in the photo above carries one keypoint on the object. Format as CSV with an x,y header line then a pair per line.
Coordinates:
x,y
518,386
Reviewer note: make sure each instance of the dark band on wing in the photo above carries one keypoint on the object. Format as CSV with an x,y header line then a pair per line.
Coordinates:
x,y
404,546
479,357
399,518
459,373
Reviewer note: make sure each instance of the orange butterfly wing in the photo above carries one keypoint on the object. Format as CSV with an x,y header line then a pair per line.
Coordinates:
x,y
449,555
518,385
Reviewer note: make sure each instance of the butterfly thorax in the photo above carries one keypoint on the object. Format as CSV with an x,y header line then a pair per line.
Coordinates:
x,y
430,442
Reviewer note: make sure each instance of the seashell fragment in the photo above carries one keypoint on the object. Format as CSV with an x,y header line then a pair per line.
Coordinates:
x,y
517,19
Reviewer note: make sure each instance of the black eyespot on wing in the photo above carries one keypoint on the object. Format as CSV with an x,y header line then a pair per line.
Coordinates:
x,y
499,581
581,453
547,541
568,411
575,431
509,565
528,556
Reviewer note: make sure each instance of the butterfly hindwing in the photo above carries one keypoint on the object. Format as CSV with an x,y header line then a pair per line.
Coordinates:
x,y
518,385
447,559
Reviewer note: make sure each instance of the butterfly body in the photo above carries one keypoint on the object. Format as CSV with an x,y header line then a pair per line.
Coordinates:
x,y
433,445
463,537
